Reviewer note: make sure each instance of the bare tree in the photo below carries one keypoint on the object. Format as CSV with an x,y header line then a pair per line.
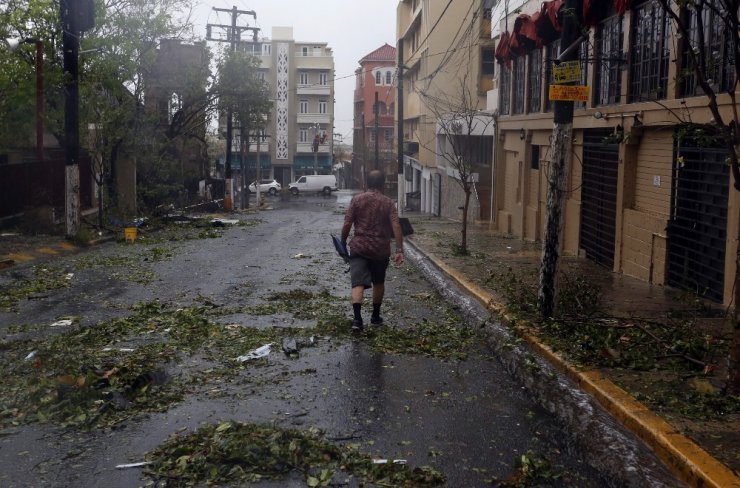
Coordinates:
x,y
460,126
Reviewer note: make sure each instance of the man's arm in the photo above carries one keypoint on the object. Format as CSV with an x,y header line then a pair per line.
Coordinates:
x,y
398,235
345,230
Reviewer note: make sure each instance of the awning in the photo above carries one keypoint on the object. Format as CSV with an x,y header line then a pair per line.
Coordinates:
x,y
546,23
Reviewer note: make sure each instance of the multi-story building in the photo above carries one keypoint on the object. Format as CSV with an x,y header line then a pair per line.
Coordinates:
x,y
640,199
374,126
447,56
298,138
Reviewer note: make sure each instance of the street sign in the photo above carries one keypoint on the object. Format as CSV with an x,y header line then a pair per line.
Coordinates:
x,y
569,93
566,71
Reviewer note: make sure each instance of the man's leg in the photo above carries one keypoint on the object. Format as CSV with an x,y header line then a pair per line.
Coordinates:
x,y
378,292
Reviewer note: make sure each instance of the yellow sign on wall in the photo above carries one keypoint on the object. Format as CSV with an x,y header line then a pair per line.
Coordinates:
x,y
569,93
566,71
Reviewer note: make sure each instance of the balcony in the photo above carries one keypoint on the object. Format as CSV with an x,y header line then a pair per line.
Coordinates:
x,y
313,62
305,147
313,118
314,90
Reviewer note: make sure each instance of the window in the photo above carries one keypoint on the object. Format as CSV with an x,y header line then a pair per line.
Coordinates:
x,y
302,135
266,49
322,78
505,90
488,62
650,47
317,51
377,77
372,135
535,157
322,107
304,51
552,53
303,107
261,75
388,135
609,55
517,97
534,81
718,38
303,78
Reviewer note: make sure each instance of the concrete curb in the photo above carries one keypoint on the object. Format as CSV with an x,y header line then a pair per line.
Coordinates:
x,y
684,458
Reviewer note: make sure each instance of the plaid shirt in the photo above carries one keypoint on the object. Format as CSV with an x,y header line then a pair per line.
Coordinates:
x,y
372,215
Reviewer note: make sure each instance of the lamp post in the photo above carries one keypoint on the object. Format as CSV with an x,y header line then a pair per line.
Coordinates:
x,y
14,45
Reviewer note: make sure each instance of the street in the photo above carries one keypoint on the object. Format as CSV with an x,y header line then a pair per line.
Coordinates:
x,y
443,401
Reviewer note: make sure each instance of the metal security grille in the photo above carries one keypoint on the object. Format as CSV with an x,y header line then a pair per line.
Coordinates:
x,y
698,225
650,50
609,52
517,102
599,197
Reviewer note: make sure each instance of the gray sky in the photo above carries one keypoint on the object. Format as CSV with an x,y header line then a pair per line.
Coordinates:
x,y
351,27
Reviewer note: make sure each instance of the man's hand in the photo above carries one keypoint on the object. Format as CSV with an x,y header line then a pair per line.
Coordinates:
x,y
398,259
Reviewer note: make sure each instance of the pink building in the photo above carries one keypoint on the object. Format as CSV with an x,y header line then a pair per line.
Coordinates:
x,y
373,142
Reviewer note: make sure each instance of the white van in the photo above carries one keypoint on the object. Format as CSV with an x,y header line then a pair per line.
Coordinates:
x,y
317,183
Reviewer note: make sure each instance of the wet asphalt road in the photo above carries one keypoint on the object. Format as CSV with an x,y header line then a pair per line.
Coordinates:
x,y
468,418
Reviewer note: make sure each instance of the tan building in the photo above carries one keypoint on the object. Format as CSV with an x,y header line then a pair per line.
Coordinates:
x,y
639,200
447,54
300,76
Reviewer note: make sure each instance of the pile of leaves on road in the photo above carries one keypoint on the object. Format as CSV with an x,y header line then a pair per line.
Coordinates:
x,y
42,280
233,452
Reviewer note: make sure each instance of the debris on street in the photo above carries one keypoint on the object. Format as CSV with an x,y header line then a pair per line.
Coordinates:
x,y
258,353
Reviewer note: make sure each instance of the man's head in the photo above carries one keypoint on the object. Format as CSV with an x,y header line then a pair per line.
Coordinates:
x,y
375,180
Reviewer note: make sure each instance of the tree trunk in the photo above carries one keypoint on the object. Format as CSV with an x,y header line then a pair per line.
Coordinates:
x,y
464,230
560,150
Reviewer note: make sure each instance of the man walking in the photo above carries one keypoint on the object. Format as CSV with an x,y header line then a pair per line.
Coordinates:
x,y
374,217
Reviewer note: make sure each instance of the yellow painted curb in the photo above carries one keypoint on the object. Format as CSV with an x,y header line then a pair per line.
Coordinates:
x,y
685,458
20,257
48,251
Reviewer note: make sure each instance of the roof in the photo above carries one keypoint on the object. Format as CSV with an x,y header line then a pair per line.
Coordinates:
x,y
386,52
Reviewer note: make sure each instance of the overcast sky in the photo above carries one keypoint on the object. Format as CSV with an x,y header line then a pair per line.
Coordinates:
x,y
351,27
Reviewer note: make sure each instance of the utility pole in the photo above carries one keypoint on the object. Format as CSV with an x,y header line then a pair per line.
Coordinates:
x,y
233,37
364,151
76,17
315,149
377,135
399,134
560,149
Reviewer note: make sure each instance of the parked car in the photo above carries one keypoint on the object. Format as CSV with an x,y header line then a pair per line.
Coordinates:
x,y
317,183
266,186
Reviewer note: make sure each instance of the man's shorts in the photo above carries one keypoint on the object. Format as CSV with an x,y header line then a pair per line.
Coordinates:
x,y
366,272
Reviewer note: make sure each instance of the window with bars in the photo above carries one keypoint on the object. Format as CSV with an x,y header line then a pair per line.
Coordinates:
x,y
553,50
517,96
505,90
650,52
719,52
377,77
609,61
534,81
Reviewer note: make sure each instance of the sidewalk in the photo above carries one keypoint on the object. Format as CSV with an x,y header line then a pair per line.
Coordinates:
x,y
703,452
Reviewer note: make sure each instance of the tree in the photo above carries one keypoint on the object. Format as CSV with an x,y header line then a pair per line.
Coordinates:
x,y
240,89
117,58
461,126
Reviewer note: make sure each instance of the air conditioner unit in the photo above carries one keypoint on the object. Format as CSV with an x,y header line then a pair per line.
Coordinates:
x,y
410,147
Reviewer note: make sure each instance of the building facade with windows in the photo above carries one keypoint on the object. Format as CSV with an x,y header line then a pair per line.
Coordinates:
x,y
298,138
376,75
644,197
448,65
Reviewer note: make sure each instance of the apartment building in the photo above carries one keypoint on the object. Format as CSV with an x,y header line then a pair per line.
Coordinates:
x,y
298,138
374,126
641,200
447,56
